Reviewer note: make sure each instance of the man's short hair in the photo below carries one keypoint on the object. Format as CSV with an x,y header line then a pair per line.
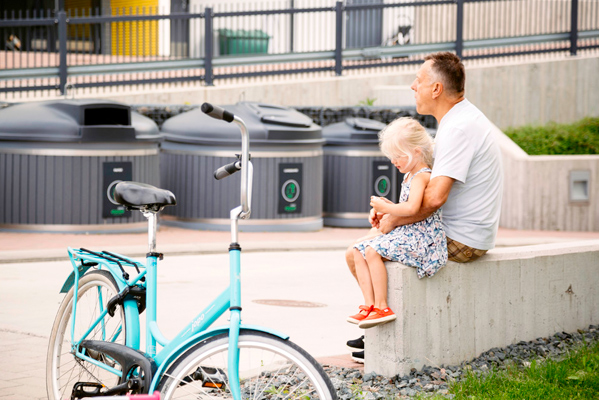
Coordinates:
x,y
449,70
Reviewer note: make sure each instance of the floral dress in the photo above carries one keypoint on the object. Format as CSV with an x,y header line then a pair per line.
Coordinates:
x,y
421,245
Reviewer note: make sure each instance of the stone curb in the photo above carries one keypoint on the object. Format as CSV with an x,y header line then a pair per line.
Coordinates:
x,y
24,256
43,255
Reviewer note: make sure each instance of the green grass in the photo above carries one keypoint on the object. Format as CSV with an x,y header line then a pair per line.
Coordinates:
x,y
574,377
581,137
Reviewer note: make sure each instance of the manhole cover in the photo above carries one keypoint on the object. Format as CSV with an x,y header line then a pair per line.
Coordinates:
x,y
290,303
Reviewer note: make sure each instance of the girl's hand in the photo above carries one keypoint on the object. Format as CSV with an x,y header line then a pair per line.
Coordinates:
x,y
377,203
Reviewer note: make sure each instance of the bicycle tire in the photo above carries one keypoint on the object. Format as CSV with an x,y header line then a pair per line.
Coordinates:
x,y
269,368
63,369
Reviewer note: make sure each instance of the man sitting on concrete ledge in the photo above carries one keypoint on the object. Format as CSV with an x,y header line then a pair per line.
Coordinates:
x,y
467,178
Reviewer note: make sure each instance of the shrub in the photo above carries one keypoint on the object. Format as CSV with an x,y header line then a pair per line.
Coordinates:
x,y
581,137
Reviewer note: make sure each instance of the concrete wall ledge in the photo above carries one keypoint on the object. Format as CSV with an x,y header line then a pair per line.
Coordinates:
x,y
510,294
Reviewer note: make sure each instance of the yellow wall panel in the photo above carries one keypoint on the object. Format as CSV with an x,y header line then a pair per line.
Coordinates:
x,y
134,38
80,8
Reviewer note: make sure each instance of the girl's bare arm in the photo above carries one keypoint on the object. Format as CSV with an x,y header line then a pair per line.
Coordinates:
x,y
435,196
411,206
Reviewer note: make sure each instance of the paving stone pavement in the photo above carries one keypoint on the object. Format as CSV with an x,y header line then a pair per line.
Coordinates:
x,y
22,365
25,330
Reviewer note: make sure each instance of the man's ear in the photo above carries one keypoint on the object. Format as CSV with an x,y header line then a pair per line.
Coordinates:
x,y
437,89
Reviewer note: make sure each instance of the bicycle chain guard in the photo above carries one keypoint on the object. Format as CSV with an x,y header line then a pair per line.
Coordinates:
x,y
138,370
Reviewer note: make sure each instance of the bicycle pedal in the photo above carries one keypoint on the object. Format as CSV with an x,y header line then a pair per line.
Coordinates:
x,y
86,389
213,377
209,376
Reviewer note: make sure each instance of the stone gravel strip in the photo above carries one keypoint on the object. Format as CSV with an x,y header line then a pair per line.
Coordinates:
x,y
353,384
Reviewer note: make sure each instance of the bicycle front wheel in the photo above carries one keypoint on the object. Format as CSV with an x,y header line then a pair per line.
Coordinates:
x,y
63,368
269,368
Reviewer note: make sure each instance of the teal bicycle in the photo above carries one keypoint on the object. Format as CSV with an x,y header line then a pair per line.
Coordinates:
x,y
96,343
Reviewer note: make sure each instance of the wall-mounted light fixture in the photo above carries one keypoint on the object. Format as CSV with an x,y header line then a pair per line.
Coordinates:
x,y
580,182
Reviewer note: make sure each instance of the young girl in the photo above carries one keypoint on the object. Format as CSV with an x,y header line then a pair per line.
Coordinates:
x,y
422,244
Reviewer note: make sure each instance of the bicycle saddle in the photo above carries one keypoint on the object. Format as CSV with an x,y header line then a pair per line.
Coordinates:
x,y
138,195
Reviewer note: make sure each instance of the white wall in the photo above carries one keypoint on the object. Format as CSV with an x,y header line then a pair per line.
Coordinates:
x,y
536,192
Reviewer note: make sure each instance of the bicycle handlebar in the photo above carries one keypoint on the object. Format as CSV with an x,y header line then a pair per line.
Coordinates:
x,y
246,167
227,170
217,112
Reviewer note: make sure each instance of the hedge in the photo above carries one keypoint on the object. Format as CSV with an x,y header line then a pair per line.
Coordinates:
x,y
581,137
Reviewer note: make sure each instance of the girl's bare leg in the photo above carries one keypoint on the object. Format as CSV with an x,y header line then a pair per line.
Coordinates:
x,y
378,274
363,275
349,253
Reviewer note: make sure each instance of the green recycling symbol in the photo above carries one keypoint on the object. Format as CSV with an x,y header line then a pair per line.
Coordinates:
x,y
382,186
290,190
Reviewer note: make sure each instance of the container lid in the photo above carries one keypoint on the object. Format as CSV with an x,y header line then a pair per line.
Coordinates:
x,y
243,34
267,125
86,121
353,131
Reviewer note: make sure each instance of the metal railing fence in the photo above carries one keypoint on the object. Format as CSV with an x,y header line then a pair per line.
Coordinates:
x,y
53,50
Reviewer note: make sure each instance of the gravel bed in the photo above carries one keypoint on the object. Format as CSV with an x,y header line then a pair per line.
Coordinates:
x,y
354,384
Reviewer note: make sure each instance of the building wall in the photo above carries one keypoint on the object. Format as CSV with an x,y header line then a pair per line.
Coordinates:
x,y
509,93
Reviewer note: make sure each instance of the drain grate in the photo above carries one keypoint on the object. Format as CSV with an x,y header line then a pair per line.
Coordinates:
x,y
289,303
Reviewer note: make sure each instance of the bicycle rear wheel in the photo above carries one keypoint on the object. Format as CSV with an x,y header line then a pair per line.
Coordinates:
x,y
269,368
63,369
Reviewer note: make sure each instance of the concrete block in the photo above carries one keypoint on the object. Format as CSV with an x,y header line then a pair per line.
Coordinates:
x,y
509,295
396,96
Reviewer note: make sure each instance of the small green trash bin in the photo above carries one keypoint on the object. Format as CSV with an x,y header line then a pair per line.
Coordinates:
x,y
243,42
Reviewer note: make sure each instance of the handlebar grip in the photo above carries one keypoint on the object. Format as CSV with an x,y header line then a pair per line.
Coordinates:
x,y
217,112
227,170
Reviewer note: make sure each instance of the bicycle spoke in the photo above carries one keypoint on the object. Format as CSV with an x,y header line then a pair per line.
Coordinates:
x,y
65,368
269,368
200,388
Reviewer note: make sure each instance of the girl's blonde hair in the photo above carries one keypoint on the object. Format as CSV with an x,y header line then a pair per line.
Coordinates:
x,y
403,136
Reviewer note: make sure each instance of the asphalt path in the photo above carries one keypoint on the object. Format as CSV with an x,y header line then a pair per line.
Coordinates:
x,y
304,294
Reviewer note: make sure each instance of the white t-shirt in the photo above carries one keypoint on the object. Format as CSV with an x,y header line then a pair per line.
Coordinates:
x,y
466,151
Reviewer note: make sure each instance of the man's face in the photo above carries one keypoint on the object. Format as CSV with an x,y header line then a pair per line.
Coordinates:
x,y
423,89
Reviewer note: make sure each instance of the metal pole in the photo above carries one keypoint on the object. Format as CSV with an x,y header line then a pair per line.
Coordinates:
x,y
209,40
291,25
459,37
338,38
574,28
62,51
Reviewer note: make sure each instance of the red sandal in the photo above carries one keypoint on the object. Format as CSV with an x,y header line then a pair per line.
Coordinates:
x,y
361,316
377,317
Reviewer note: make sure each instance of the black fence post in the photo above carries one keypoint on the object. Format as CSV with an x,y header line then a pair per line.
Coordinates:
x,y
209,53
574,28
291,25
62,51
338,38
459,34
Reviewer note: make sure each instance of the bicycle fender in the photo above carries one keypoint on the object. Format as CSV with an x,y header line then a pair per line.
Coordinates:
x,y
170,358
68,284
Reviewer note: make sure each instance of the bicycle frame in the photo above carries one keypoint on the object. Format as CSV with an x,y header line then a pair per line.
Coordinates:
x,y
199,328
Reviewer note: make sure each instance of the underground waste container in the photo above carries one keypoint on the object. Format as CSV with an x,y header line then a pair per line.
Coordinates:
x,y
355,169
241,41
286,151
59,160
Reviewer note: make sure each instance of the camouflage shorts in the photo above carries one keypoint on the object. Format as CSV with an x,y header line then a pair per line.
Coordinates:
x,y
461,253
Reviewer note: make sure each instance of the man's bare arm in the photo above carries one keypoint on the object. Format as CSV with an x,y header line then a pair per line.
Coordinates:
x,y
435,195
